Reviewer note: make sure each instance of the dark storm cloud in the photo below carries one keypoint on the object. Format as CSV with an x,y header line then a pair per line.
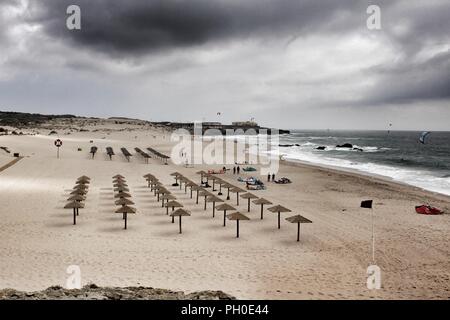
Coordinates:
x,y
136,26
408,82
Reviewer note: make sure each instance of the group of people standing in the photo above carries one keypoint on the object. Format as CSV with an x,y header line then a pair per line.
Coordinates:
x,y
271,176
236,170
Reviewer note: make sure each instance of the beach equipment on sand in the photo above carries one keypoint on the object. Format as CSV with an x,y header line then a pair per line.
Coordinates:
x,y
237,216
213,199
179,213
177,176
279,209
428,210
237,190
125,210
173,204
262,202
225,207
298,219
248,196
75,205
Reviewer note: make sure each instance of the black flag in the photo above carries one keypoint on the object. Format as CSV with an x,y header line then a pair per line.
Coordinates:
x,y
366,204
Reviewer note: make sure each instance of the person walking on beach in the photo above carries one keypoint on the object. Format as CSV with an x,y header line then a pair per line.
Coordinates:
x,y
234,170
238,169
268,177
273,177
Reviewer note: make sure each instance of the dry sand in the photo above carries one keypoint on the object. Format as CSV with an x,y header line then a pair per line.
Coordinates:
x,y
38,240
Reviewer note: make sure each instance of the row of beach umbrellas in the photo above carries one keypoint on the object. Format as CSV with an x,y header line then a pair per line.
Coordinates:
x,y
123,198
221,205
78,196
168,200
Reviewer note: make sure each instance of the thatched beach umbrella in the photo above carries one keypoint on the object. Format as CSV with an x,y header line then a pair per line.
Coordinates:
x,y
198,189
154,184
187,183
86,179
213,199
237,216
174,204
167,197
83,182
248,196
122,195
80,186
221,184
279,209
118,176
191,184
205,194
202,174
177,176
121,189
298,219
75,205
126,210
237,190
225,207
213,178
180,213
160,192
120,184
76,197
262,202
78,191
228,186
123,202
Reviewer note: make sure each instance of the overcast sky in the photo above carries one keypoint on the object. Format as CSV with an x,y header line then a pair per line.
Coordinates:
x,y
286,63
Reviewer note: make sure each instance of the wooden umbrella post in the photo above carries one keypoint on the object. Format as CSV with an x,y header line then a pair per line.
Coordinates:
x,y
196,202
237,228
180,224
298,232
125,221
237,198
248,204
279,220
228,194
262,210
214,208
74,216
205,202
224,217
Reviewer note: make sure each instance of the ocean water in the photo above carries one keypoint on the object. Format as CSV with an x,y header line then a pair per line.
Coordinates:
x,y
397,154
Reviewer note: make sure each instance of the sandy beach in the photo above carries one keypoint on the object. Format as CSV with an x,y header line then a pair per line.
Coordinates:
x,y
38,241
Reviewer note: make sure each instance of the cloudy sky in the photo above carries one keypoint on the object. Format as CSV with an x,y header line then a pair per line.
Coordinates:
x,y
285,63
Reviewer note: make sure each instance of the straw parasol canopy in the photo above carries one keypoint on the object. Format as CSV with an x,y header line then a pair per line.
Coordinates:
x,y
225,207
82,181
213,199
237,216
248,196
120,184
84,178
78,191
148,175
122,195
174,204
298,219
279,209
121,189
262,202
161,191
213,178
75,205
237,190
123,202
198,189
81,186
180,213
125,210
118,176
76,197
